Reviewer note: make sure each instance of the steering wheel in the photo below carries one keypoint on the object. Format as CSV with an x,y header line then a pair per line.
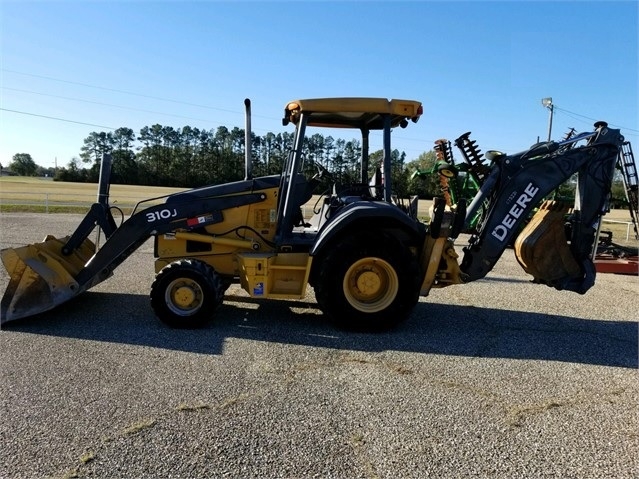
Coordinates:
x,y
321,172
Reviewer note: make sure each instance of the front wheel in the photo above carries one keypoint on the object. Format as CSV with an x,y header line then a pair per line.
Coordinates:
x,y
185,294
367,283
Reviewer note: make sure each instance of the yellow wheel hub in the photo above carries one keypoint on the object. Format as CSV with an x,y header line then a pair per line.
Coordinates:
x,y
184,296
370,285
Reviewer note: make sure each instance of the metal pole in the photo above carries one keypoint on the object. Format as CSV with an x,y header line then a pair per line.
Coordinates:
x,y
387,164
547,102
104,182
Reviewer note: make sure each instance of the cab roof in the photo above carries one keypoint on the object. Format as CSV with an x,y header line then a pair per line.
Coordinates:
x,y
361,113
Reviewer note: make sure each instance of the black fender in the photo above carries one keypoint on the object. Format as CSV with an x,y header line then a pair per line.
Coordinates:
x,y
375,216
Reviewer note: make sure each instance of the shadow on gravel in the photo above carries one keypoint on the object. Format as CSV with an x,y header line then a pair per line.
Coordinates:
x,y
431,329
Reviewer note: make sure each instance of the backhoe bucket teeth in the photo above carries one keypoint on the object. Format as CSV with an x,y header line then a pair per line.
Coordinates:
x,y
41,277
542,249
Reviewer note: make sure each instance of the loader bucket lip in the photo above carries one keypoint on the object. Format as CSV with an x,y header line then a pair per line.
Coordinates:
x,y
41,277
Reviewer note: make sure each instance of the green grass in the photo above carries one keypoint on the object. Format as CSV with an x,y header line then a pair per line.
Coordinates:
x,y
87,457
23,189
8,208
139,426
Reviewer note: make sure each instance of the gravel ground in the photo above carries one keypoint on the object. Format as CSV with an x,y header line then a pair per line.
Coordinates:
x,y
498,378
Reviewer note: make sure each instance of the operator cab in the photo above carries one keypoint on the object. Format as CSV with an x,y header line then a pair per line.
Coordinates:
x,y
363,114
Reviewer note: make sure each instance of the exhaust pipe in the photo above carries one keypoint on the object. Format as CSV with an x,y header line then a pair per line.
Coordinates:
x,y
248,162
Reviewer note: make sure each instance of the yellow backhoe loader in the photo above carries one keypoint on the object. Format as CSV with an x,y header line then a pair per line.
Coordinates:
x,y
366,254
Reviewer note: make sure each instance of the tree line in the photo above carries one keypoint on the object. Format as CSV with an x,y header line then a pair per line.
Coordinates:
x,y
189,157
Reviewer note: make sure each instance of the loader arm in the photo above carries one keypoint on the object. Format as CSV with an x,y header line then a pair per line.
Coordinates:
x,y
518,183
47,274
153,221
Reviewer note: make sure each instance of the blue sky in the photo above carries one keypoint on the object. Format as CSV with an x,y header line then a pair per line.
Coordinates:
x,y
476,66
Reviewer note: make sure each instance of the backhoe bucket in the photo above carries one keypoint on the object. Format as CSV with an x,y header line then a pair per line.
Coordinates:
x,y
41,277
542,249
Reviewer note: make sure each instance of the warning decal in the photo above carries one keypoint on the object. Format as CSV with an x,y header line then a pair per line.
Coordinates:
x,y
199,220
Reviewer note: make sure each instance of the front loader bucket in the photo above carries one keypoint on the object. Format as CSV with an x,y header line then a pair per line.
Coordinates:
x,y
41,277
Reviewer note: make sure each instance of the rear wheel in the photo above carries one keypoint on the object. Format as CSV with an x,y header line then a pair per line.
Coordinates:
x,y
185,294
367,283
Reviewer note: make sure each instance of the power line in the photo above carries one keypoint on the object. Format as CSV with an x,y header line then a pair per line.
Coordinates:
x,y
567,112
141,110
125,92
58,119
592,119
169,100
102,104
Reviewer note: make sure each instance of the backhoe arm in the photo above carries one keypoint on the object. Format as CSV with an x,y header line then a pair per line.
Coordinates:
x,y
518,183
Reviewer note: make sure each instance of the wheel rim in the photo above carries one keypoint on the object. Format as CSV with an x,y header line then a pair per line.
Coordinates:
x,y
184,296
447,173
370,285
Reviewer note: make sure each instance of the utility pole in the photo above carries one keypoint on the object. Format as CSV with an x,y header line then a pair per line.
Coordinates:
x,y
547,102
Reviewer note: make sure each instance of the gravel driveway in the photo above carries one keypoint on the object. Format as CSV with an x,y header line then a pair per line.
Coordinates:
x,y
498,378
